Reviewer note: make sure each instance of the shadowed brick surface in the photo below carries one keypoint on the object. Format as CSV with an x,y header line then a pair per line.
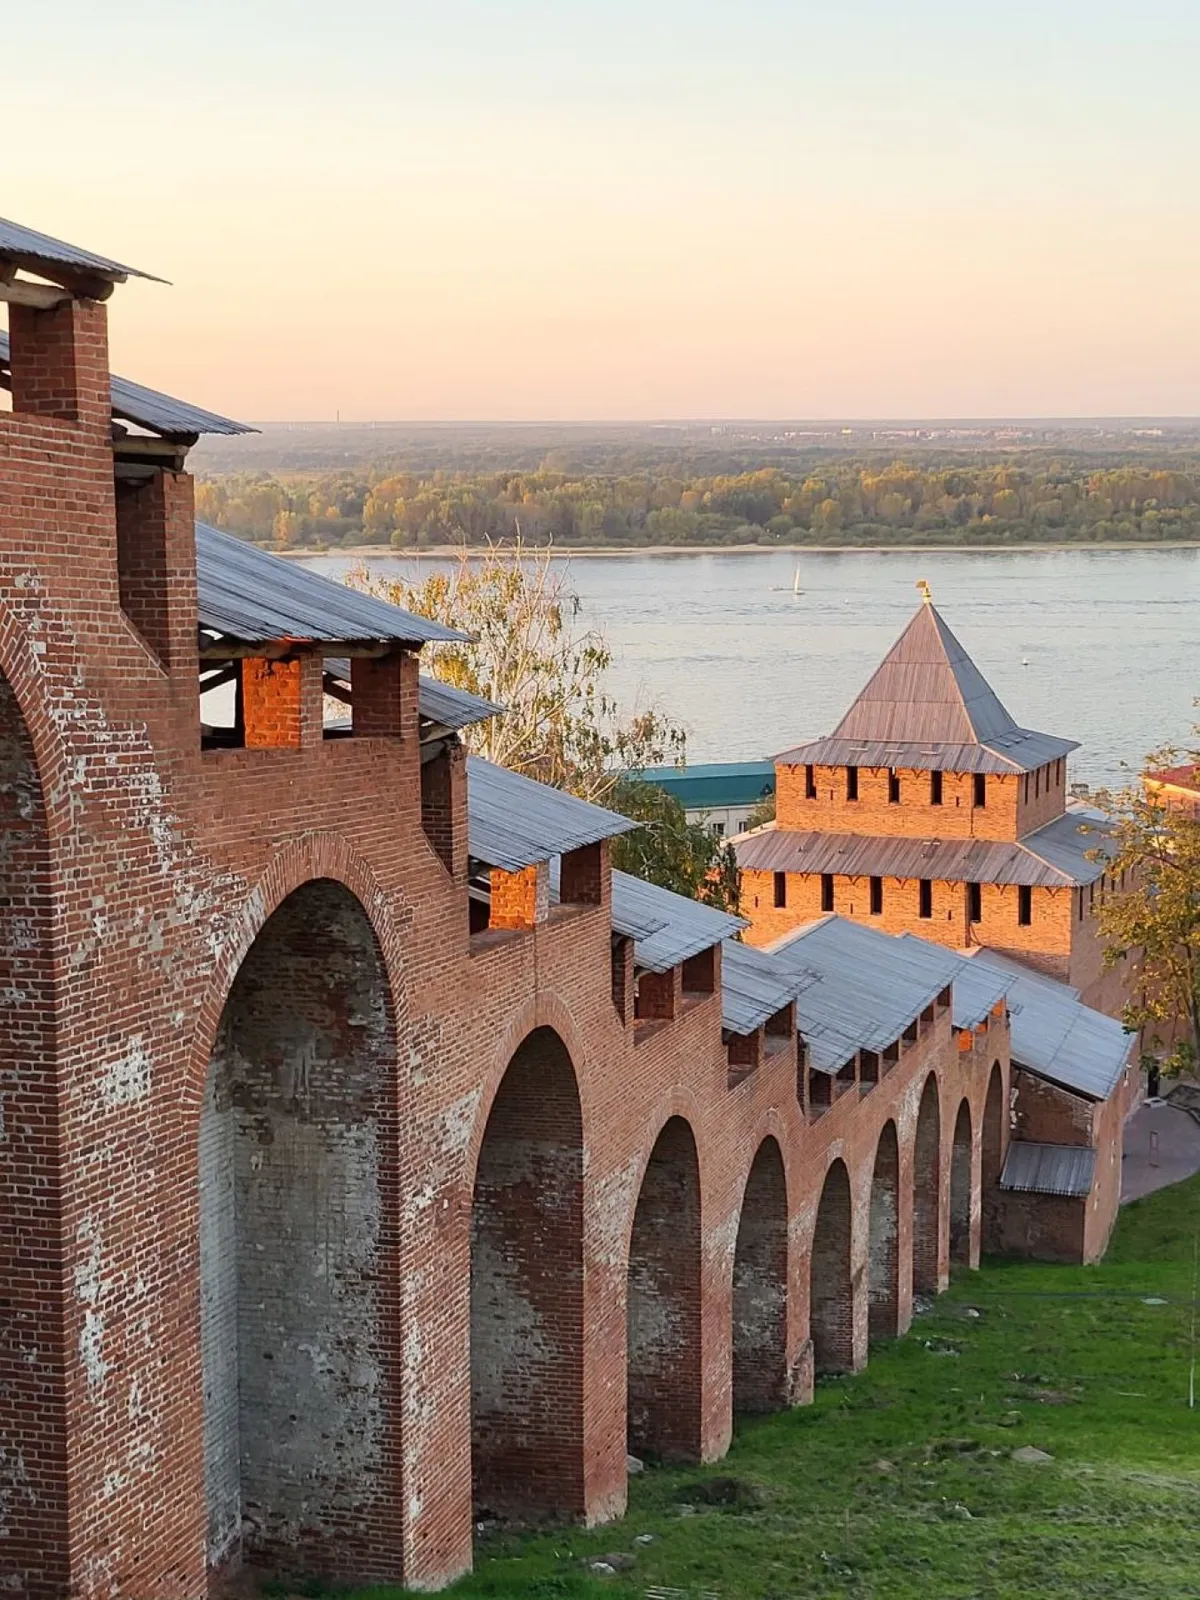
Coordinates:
x,y
960,1189
884,1262
760,1287
927,1194
664,1308
832,1302
993,1144
290,1231
527,1292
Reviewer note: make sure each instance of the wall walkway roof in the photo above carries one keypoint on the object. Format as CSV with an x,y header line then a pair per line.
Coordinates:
x,y
148,408
755,986
684,928
1052,857
515,822
1055,1036
27,248
977,988
441,703
249,596
872,986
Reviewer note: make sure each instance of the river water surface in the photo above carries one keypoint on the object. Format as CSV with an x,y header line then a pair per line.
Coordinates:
x,y
720,643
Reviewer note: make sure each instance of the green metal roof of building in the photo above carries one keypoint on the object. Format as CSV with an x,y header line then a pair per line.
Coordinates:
x,y
721,783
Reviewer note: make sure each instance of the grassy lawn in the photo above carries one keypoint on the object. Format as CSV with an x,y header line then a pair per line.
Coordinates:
x,y
901,1482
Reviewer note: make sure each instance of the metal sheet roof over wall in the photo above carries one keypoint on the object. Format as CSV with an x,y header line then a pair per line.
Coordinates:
x,y
250,596
454,708
1058,1038
148,408
872,986
1048,1169
163,413
755,986
515,822
685,927
26,244
440,702
1056,856
998,962
629,920
976,989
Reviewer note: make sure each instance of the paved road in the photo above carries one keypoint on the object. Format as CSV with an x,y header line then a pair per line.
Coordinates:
x,y
1177,1157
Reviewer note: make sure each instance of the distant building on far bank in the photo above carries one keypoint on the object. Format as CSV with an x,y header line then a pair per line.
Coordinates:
x,y
725,794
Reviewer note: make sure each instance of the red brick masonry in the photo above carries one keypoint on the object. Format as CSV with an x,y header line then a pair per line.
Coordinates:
x,y
468,1227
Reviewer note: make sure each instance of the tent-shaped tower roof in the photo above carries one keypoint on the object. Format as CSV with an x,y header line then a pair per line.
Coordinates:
x,y
928,705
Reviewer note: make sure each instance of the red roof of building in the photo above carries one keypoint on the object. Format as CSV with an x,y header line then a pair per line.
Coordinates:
x,y
1185,777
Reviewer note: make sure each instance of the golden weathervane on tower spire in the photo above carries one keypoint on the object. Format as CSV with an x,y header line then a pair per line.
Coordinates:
x,y
923,591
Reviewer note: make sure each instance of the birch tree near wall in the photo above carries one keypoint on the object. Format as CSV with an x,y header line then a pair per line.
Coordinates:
x,y
1156,918
528,651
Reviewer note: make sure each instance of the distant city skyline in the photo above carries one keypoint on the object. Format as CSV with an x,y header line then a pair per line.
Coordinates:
x,y
774,211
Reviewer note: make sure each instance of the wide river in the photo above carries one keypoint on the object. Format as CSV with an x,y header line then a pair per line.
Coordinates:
x,y
1102,646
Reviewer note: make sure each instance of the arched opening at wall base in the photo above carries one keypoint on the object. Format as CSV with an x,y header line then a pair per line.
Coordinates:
x,y
33,1468
527,1293
297,1148
960,1189
883,1261
663,1303
831,1298
760,1288
990,1163
927,1192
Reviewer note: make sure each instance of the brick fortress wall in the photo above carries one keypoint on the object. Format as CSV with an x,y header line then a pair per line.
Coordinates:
x,y
266,1107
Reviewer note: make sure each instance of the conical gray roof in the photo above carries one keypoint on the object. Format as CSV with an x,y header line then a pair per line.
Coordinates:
x,y
928,705
927,690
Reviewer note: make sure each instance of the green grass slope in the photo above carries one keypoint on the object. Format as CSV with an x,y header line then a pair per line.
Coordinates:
x,y
901,1482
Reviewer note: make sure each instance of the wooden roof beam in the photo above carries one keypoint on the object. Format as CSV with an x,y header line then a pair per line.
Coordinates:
x,y
39,296
77,282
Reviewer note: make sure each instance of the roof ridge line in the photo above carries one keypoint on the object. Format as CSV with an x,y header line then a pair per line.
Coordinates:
x,y
1021,845
986,744
939,622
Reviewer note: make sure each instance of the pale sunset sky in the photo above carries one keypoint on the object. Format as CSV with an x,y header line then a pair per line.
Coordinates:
x,y
628,208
